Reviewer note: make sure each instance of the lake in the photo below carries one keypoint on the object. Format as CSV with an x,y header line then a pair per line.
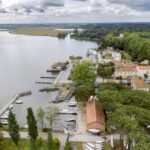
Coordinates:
x,y
23,59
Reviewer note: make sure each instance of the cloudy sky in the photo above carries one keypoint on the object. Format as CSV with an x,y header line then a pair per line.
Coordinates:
x,y
74,11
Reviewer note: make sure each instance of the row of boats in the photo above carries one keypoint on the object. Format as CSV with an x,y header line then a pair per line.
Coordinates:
x,y
4,117
97,146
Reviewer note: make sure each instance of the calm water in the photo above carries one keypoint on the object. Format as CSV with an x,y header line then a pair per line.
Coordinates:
x,y
23,59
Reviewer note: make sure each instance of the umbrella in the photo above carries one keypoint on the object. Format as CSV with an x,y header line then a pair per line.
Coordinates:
x,y
124,143
127,146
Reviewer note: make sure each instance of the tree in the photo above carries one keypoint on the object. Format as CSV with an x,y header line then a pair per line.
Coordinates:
x,y
67,145
32,126
106,70
52,115
13,128
39,142
40,116
83,73
50,143
145,76
84,91
56,144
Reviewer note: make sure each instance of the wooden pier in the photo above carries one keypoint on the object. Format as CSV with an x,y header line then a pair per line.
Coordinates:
x,y
12,101
41,82
48,77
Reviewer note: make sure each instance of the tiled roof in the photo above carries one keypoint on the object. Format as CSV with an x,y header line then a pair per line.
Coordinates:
x,y
140,83
126,69
94,112
144,67
58,64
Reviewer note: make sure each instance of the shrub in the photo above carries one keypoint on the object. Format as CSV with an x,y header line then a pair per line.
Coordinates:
x,y
56,143
39,142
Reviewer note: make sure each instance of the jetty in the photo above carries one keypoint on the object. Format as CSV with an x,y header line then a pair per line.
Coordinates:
x,y
48,77
41,82
12,101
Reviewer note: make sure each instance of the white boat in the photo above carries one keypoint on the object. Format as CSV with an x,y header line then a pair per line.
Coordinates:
x,y
11,106
18,102
91,145
72,104
5,122
88,147
64,111
70,119
4,116
73,112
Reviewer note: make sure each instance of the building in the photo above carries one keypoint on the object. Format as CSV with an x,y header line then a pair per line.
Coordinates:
x,y
144,70
95,118
58,65
138,83
126,71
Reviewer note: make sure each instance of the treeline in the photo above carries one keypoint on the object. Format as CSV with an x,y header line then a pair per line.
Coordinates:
x,y
136,44
96,32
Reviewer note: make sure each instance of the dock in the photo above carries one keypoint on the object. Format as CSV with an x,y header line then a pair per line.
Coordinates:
x,y
12,101
41,82
48,77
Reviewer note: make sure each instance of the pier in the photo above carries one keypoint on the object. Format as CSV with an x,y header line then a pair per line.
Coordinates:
x,y
12,101
40,82
48,77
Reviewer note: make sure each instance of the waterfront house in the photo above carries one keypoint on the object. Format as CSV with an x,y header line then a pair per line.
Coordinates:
x,y
58,65
138,83
95,118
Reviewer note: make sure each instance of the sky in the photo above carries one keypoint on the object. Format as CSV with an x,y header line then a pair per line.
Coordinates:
x,y
74,11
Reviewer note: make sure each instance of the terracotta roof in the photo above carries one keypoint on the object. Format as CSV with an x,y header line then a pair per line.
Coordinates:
x,y
126,69
144,67
94,112
58,64
110,81
140,83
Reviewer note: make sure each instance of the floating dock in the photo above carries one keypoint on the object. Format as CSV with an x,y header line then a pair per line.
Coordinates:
x,y
12,101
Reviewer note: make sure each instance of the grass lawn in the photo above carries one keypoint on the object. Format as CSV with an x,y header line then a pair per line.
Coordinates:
x,y
22,145
38,31
64,92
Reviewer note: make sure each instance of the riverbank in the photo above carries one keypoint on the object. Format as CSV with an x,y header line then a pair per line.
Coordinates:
x,y
39,31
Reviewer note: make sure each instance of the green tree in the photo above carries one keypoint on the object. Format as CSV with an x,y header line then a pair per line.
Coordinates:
x,y
40,117
83,92
13,128
83,73
50,143
145,76
105,70
32,128
52,115
56,144
68,144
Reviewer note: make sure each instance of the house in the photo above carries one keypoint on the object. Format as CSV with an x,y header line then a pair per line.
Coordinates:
x,y
58,65
144,70
139,84
95,118
126,71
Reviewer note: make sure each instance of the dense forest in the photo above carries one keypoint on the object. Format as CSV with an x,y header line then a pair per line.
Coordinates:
x,y
135,42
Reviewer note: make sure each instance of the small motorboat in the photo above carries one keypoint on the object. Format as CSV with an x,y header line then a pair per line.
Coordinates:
x,y
18,102
72,104
70,119
4,116
5,122
72,112
64,111
11,106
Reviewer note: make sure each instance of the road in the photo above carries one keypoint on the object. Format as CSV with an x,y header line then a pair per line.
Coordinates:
x,y
63,137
